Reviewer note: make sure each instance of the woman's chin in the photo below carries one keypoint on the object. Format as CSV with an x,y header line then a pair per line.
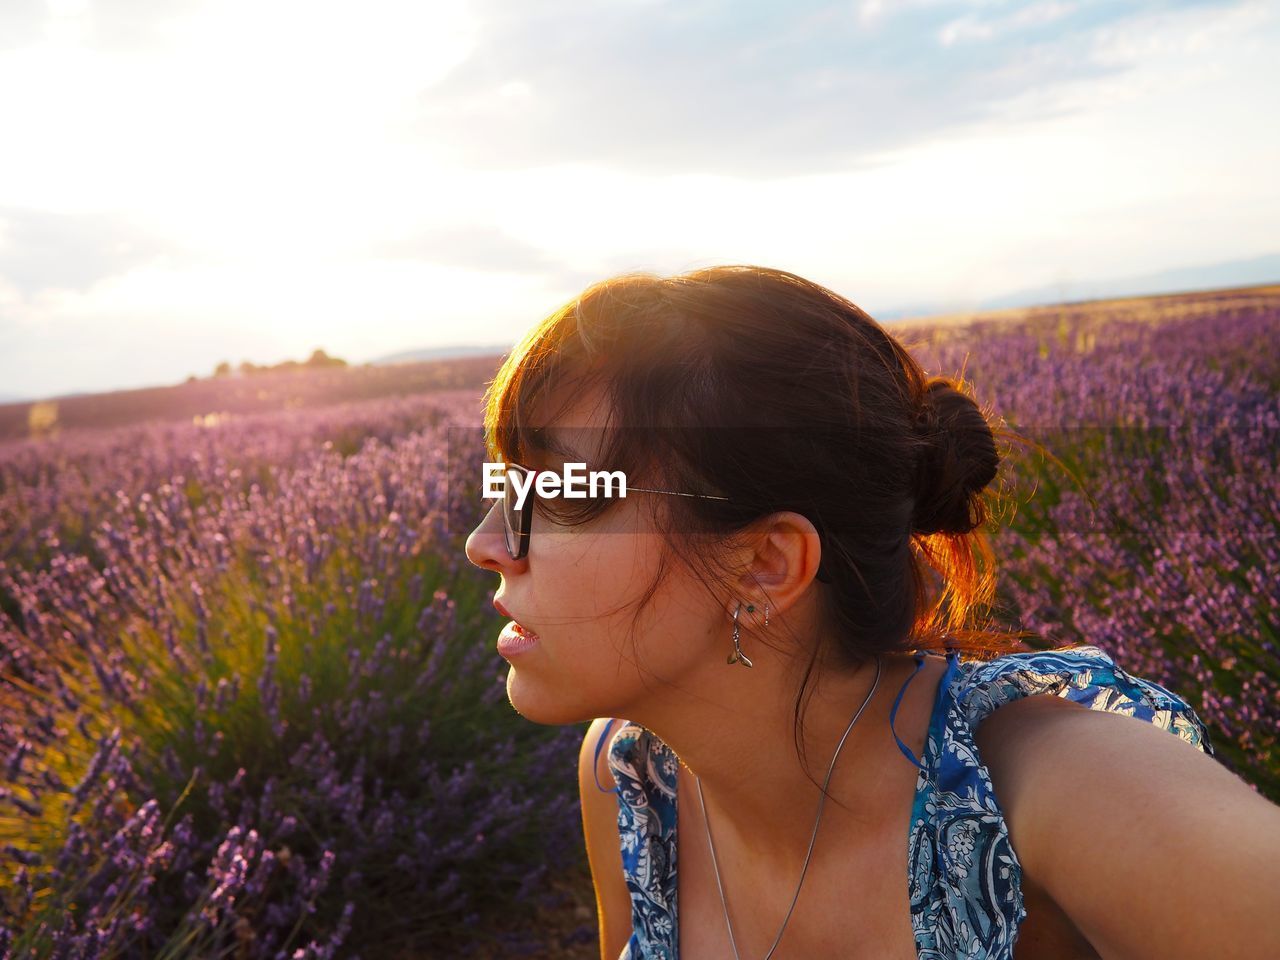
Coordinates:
x,y
539,705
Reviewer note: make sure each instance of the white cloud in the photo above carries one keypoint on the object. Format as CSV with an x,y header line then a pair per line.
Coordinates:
x,y
870,11
971,28
965,28
1046,11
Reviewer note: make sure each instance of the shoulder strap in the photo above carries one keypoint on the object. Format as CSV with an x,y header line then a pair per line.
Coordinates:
x,y
1085,675
953,663
595,770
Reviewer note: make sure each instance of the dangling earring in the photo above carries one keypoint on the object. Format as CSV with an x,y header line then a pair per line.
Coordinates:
x,y
737,655
766,613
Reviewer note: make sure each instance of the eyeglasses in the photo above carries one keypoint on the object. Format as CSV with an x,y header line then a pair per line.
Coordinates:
x,y
518,521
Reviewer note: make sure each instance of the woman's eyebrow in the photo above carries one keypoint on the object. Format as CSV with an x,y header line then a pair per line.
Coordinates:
x,y
547,447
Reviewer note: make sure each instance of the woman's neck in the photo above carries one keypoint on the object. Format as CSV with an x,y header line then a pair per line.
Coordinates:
x,y
737,739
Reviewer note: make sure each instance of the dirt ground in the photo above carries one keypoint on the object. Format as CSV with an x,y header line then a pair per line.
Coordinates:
x,y
569,932
572,932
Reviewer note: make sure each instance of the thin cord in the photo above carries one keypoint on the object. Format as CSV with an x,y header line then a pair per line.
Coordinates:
x,y
812,838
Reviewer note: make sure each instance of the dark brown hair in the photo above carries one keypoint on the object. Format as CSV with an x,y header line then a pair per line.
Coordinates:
x,y
763,387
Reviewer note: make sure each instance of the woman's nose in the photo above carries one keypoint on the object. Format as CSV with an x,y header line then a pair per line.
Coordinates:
x,y
486,545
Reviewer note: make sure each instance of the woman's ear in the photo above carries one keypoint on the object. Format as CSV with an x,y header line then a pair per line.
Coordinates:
x,y
780,554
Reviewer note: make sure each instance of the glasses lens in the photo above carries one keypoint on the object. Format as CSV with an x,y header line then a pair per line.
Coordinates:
x,y
512,517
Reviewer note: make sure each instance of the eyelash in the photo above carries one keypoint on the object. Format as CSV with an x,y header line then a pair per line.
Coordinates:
x,y
574,505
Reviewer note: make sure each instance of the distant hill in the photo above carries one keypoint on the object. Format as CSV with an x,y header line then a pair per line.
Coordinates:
x,y
1232,274
289,389
442,353
457,368
1229,274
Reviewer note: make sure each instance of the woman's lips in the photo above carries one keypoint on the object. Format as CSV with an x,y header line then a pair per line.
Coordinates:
x,y
515,639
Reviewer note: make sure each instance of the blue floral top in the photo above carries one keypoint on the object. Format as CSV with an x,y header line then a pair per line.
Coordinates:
x,y
965,880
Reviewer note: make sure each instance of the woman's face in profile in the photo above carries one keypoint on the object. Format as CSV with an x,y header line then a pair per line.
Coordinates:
x,y
577,590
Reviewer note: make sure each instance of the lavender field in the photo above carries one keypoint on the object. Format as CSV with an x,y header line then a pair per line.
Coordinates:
x,y
250,705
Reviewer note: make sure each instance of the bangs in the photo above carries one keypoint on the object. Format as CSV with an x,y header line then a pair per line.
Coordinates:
x,y
621,333
569,348
533,370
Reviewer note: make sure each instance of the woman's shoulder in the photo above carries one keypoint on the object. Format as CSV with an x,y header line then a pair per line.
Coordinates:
x,y
1082,674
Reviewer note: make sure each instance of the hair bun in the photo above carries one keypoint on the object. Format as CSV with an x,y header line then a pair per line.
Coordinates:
x,y
958,459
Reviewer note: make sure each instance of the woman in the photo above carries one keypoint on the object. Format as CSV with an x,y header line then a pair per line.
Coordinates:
x,y
790,582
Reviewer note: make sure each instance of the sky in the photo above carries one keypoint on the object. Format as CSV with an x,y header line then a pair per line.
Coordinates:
x,y
187,182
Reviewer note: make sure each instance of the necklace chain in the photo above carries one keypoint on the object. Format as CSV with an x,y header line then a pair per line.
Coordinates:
x,y
812,838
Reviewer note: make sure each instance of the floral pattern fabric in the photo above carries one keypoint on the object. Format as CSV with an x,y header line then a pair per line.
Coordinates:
x,y
965,879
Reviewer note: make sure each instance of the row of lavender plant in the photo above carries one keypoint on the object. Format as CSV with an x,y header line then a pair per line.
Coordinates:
x,y
1165,552
53,494
269,721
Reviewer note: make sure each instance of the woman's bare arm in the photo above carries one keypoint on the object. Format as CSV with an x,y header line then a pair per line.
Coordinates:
x,y
1151,847
604,850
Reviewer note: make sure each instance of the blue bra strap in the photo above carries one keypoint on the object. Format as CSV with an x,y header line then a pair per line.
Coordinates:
x,y
892,713
595,771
